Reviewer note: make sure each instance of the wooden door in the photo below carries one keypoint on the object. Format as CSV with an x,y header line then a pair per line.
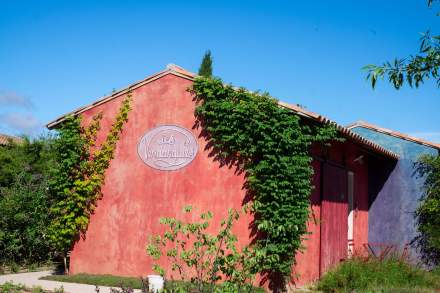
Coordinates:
x,y
334,213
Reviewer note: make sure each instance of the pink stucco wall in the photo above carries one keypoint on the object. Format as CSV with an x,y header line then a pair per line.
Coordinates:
x,y
135,196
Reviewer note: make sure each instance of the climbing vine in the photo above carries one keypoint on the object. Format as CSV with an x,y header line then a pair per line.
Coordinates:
x,y
78,178
271,145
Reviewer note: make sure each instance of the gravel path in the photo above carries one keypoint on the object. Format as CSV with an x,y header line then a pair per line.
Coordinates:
x,y
32,280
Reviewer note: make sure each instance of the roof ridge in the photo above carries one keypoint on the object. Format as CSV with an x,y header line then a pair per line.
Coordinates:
x,y
170,69
179,71
364,124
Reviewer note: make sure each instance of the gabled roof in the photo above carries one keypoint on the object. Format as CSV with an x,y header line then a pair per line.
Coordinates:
x,y
397,134
179,71
171,69
6,139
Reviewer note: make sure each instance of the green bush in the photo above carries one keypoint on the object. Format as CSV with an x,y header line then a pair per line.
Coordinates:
x,y
24,201
374,275
24,218
9,287
201,259
428,221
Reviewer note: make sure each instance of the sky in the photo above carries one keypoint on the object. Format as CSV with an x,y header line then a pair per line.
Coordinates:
x,y
56,56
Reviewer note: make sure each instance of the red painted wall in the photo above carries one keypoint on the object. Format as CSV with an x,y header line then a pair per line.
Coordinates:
x,y
334,211
308,266
135,196
361,206
308,260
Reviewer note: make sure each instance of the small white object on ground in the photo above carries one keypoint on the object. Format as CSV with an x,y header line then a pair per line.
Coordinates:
x,y
155,283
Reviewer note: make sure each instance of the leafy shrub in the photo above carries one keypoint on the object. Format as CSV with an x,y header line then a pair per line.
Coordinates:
x,y
9,287
427,214
24,202
201,258
32,156
24,220
37,289
375,275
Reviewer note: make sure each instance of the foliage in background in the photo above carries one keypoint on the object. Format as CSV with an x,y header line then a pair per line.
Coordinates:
x,y
10,287
79,175
24,200
32,156
203,258
271,145
392,274
206,65
413,70
428,212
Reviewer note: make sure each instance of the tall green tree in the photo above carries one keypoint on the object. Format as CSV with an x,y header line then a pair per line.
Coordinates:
x,y
206,66
413,70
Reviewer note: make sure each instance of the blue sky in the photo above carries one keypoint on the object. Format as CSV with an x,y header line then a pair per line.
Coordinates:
x,y
58,55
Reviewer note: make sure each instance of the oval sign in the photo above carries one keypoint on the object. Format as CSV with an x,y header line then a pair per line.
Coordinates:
x,y
168,147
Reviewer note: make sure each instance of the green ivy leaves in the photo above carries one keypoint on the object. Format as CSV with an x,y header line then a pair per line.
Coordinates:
x,y
271,144
78,178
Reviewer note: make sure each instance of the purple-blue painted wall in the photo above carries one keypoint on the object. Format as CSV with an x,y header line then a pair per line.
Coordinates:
x,y
395,194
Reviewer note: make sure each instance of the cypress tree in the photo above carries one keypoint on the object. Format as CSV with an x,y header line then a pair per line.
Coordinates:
x,y
206,66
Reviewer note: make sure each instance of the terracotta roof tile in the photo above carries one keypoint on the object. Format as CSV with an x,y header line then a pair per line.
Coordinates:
x,y
6,139
343,130
179,71
393,133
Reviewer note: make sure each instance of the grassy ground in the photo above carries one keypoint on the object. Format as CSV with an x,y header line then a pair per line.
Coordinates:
x,y
382,276
114,281
14,288
356,275
100,280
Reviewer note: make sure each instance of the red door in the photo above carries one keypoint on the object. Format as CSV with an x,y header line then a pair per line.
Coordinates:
x,y
334,213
